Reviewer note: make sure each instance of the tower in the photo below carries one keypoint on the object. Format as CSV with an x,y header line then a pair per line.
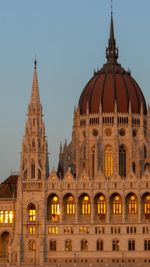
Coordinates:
x,y
30,206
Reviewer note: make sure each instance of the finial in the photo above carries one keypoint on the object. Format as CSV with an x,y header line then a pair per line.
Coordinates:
x,y
111,8
112,50
35,63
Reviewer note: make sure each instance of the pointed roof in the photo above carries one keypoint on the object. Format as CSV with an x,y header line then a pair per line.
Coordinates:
x,y
35,97
112,50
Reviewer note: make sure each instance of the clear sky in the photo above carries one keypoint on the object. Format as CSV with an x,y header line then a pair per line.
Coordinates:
x,y
69,38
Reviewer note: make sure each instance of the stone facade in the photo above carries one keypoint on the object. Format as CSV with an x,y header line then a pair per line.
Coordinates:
x,y
95,210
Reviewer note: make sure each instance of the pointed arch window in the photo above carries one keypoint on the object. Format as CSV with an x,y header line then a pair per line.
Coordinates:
x,y
70,205
68,245
108,161
84,245
132,205
122,161
32,169
147,206
86,205
101,205
55,208
117,205
31,213
52,246
100,245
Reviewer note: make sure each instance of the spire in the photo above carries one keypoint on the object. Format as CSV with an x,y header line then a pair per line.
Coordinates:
x,y
111,50
35,98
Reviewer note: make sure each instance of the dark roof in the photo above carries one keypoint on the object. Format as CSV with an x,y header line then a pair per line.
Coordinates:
x,y
8,188
112,84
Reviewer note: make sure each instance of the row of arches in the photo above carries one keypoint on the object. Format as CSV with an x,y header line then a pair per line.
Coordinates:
x,y
69,207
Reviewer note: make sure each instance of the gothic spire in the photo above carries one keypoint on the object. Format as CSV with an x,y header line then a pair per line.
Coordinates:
x,y
112,50
35,97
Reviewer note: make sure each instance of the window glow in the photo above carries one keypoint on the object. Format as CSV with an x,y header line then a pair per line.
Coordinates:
x,y
70,206
101,205
53,230
86,206
1,216
117,205
32,230
108,161
32,215
132,205
147,205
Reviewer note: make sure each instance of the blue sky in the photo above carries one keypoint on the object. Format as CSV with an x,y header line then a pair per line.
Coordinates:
x,y
69,38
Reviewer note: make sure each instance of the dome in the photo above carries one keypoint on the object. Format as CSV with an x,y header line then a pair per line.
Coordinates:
x,y
112,86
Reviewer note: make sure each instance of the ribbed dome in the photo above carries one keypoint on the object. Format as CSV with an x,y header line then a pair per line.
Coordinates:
x,y
112,85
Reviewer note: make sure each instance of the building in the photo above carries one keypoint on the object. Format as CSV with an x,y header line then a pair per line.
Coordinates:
x,y
95,211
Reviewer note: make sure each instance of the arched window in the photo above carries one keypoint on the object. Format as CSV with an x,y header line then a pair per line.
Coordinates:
x,y
115,244
93,161
1,216
101,205
55,208
122,161
133,167
99,245
84,245
68,245
147,244
39,174
6,217
32,169
86,205
131,244
116,205
52,245
145,152
10,216
147,206
108,161
33,143
132,205
32,213
70,205
32,245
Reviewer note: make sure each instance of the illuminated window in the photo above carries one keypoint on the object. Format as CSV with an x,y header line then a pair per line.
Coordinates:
x,y
117,205
6,217
70,206
32,230
99,245
122,161
108,161
86,206
52,246
10,216
1,216
132,205
84,230
84,245
55,207
115,245
32,213
53,230
101,205
32,245
147,206
68,245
